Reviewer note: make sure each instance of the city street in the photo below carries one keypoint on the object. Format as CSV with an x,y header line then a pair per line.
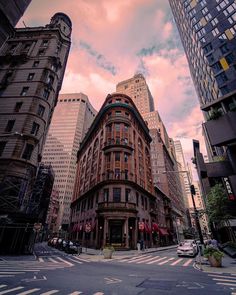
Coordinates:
x,y
152,273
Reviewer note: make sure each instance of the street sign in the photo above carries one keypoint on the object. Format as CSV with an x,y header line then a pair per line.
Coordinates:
x,y
88,227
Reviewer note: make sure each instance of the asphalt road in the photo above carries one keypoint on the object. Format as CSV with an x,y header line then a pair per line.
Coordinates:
x,y
58,273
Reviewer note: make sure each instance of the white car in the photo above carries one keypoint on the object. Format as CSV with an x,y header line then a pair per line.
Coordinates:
x,y
187,248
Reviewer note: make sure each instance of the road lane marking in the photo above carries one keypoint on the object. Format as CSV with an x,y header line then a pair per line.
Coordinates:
x,y
148,259
2,286
165,261
52,260
29,291
156,260
133,258
11,272
67,262
226,284
50,292
98,293
137,259
224,280
76,293
41,259
176,262
187,262
75,261
81,259
6,276
219,276
11,290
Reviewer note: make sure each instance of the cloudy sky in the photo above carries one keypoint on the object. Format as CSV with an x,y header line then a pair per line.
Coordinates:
x,y
113,40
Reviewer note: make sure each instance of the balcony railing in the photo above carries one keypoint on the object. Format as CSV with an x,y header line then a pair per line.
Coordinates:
x,y
116,206
111,175
222,131
123,142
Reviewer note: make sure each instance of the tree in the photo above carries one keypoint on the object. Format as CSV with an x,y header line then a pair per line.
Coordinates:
x,y
217,208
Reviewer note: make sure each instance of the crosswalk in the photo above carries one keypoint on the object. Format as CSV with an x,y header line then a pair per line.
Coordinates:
x,y
21,290
157,260
224,279
11,268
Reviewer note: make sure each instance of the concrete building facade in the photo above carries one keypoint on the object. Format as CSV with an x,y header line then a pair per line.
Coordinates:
x,y
114,201
71,120
32,66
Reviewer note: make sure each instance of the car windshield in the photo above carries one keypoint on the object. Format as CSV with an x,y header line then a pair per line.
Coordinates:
x,y
187,244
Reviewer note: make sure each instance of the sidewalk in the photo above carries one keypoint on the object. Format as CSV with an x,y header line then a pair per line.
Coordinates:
x,y
97,255
228,266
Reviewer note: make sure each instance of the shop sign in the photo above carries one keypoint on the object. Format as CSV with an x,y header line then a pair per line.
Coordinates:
x,y
229,190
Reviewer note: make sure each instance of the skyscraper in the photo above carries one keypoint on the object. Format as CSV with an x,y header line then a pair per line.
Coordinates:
x,y
10,13
71,120
32,66
138,90
208,30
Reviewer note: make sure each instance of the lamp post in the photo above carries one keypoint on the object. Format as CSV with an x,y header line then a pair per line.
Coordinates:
x,y
192,190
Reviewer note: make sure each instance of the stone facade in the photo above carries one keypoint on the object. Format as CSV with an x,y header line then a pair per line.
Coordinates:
x,y
114,198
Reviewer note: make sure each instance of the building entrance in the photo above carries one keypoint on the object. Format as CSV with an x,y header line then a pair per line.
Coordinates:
x,y
116,232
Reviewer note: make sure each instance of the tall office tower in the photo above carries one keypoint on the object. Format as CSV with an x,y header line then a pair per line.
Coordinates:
x,y
114,200
208,30
166,177
184,174
32,66
10,13
200,206
71,120
138,90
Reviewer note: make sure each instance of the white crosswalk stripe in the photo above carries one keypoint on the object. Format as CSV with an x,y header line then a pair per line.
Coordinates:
x,y
224,279
10,268
20,290
157,260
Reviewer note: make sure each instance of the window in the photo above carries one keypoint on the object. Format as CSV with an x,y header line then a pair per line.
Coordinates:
x,y
117,113
221,78
142,201
214,22
117,126
41,110
30,76
35,64
50,80
10,125
224,48
106,195
18,106
24,91
116,195
126,128
117,156
117,173
28,151
2,147
46,93
126,157
35,129
45,43
41,52
230,58
127,194
217,66
215,32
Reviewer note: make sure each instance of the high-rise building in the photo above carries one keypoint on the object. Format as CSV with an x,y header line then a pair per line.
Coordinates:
x,y
208,30
10,13
162,147
71,120
32,66
114,200
138,90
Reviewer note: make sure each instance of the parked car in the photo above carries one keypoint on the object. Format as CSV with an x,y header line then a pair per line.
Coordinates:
x,y
187,248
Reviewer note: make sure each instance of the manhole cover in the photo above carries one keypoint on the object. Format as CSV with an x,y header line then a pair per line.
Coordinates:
x,y
157,284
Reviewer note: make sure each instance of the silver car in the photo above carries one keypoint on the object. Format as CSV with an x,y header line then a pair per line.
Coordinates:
x,y
187,249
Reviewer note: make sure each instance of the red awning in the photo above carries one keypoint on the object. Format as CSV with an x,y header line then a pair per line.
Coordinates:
x,y
155,227
163,231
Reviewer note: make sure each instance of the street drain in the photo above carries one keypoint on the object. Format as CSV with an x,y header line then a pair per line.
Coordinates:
x,y
157,284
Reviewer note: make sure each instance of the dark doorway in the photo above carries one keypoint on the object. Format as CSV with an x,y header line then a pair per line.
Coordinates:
x,y
116,233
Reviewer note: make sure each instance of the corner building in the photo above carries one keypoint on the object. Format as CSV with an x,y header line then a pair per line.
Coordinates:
x,y
114,195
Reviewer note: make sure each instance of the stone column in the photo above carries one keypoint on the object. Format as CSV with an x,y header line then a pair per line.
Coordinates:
x,y
126,232
105,231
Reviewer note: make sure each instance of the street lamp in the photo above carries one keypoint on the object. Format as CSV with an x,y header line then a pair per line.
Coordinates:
x,y
192,190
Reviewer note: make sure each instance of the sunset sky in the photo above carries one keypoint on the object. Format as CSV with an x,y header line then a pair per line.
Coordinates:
x,y
113,40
